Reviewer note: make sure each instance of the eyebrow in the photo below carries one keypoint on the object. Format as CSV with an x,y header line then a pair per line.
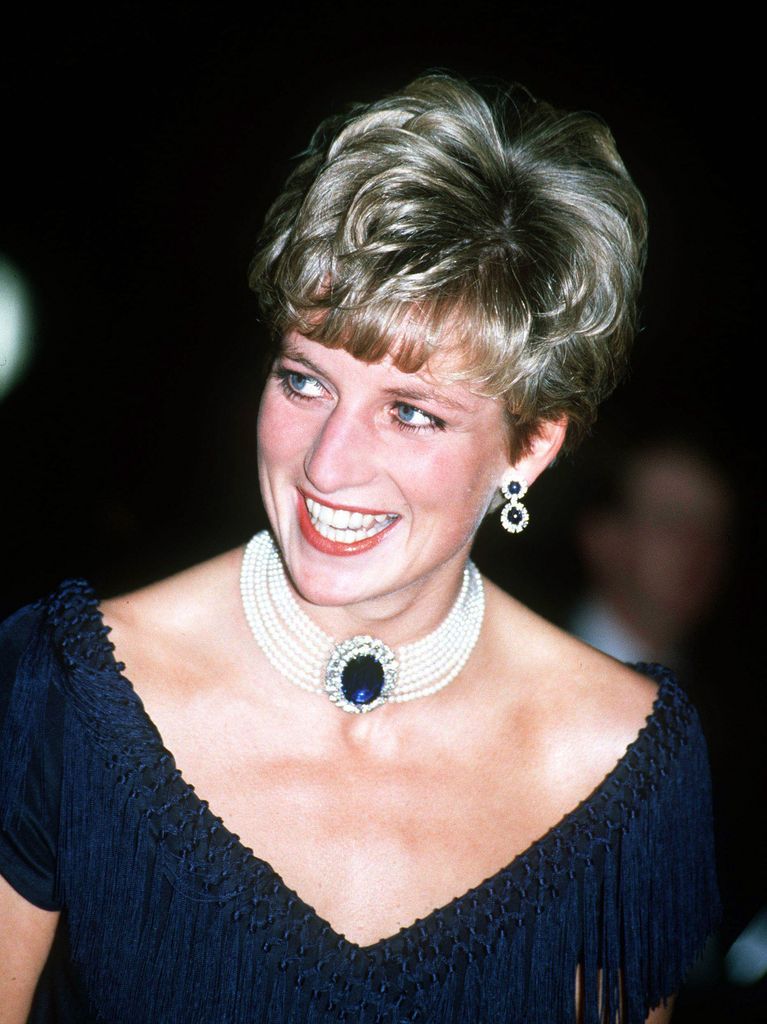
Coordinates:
x,y
287,352
427,395
409,391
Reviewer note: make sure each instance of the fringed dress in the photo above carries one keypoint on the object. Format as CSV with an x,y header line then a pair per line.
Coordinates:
x,y
166,918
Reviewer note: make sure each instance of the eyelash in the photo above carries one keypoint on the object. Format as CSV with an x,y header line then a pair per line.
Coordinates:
x,y
435,424
283,376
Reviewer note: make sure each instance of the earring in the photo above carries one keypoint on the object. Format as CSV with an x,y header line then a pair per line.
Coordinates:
x,y
514,515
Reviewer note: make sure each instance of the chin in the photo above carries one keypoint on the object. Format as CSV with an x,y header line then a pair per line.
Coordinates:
x,y
333,581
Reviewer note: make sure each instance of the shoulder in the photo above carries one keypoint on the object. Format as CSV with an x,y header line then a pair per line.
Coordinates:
x,y
184,621
41,646
31,637
581,709
621,766
21,635
16,632
34,644
175,602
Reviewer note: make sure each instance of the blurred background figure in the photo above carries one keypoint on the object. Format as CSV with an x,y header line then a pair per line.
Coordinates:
x,y
656,537
654,540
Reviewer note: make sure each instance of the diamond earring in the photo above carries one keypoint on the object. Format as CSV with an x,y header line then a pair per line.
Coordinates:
x,y
514,515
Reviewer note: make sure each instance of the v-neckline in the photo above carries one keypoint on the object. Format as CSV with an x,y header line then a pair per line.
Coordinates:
x,y
250,860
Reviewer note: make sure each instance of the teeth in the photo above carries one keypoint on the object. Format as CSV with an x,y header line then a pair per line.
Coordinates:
x,y
341,517
339,524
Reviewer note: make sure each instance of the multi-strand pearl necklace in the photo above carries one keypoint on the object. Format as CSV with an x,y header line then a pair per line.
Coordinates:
x,y
362,673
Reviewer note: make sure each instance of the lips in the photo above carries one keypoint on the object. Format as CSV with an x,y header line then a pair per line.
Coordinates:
x,y
337,530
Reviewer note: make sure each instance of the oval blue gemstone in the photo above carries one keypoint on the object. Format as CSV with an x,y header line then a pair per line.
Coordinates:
x,y
362,680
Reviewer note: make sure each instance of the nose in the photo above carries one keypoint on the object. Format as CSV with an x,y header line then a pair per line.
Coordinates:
x,y
343,453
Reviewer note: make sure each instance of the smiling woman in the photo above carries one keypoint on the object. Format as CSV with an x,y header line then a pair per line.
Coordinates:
x,y
394,793
346,440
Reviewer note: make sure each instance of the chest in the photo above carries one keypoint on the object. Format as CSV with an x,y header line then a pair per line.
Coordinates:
x,y
371,842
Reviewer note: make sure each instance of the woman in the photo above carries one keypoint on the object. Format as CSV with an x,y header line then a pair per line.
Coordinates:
x,y
452,287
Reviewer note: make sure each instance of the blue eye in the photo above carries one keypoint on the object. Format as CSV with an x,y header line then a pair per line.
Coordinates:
x,y
303,384
409,414
411,418
299,385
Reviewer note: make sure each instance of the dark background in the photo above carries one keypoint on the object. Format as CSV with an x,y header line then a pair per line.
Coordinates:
x,y
141,149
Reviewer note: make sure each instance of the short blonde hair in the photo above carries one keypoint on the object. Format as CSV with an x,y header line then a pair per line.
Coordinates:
x,y
435,217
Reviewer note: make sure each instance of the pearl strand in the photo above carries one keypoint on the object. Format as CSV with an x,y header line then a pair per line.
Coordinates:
x,y
299,650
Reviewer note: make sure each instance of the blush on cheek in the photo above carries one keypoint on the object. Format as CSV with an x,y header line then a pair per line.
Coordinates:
x,y
278,432
444,467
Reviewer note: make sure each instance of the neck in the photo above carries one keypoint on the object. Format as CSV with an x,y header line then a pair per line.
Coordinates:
x,y
399,618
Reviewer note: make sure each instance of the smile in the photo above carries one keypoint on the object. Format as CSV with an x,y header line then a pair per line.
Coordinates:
x,y
346,526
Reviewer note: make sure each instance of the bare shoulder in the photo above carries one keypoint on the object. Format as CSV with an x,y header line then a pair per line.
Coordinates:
x,y
584,708
176,599
182,620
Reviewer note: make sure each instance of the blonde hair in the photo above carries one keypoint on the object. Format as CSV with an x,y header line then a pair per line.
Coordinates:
x,y
433,217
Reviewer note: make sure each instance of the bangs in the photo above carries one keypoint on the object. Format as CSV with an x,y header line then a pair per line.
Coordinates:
x,y
482,340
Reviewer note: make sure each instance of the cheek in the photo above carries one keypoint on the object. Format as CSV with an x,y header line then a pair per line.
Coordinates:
x,y
459,488
280,436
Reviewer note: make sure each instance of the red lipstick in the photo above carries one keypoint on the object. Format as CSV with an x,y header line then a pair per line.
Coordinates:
x,y
334,547
345,508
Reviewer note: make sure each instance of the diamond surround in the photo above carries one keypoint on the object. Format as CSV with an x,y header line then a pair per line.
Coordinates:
x,y
343,655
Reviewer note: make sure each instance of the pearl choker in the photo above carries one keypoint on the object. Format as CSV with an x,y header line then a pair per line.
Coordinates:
x,y
362,673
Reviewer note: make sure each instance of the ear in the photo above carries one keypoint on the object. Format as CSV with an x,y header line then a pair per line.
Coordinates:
x,y
543,449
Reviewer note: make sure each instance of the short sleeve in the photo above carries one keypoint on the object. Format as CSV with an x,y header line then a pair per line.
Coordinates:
x,y
31,722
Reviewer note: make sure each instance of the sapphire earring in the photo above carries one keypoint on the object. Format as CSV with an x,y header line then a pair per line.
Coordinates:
x,y
514,515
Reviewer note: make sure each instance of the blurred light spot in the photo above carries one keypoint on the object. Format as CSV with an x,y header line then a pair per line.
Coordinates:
x,y
746,962
15,327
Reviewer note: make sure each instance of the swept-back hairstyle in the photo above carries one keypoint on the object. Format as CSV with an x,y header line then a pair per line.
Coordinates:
x,y
506,230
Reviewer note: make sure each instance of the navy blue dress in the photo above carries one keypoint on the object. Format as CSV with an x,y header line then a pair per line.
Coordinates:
x,y
168,919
